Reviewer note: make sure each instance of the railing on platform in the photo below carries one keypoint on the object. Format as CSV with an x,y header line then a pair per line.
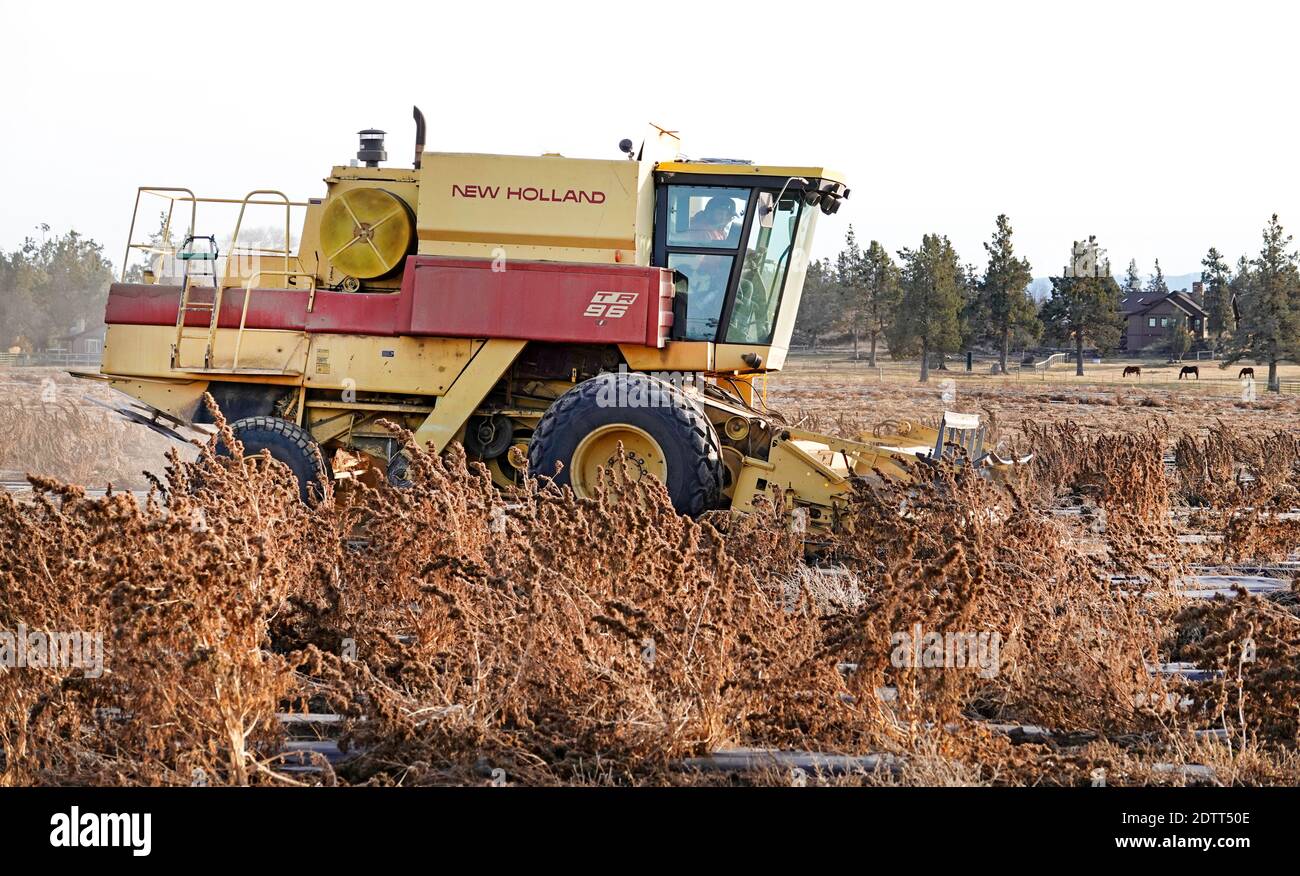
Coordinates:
x,y
181,196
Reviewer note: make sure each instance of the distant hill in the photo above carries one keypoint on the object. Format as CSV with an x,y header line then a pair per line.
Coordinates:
x,y
1041,287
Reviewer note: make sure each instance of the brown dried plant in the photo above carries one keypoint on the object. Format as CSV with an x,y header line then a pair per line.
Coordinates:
x,y
464,632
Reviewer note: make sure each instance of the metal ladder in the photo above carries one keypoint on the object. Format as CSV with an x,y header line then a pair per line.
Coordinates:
x,y
206,259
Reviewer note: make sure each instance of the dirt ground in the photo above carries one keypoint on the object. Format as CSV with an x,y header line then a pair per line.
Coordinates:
x,y
832,393
827,392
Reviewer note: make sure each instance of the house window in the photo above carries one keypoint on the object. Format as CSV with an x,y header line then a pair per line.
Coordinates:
x,y
1151,322
1164,322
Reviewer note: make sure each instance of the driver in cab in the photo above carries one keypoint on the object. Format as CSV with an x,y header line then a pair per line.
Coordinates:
x,y
717,221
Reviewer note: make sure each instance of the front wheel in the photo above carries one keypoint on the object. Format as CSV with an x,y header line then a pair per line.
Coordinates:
x,y
663,433
288,443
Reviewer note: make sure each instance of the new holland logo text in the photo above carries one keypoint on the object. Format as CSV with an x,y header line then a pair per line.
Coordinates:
x,y
610,305
527,193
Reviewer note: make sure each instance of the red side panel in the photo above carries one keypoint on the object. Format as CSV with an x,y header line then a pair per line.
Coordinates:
x,y
131,304
360,313
539,301
443,297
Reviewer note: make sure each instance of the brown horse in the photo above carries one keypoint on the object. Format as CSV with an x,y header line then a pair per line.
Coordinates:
x,y
1132,369
1246,372
1190,371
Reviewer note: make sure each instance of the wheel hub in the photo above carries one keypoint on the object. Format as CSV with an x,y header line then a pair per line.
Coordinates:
x,y
600,450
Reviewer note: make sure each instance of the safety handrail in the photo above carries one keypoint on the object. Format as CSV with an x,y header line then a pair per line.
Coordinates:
x,y
167,223
239,223
248,293
182,195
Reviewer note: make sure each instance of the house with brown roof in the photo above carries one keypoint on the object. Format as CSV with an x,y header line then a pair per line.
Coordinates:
x,y
81,340
1149,319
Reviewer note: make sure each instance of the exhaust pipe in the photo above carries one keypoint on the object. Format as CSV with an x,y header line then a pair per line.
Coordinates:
x,y
419,136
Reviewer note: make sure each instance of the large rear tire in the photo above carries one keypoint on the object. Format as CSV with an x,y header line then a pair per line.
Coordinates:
x,y
662,430
288,443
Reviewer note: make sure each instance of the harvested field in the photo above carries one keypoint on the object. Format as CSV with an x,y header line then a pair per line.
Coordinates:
x,y
832,393
452,633
50,425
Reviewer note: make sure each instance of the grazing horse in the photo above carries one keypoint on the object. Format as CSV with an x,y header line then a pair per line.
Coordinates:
x,y
1190,371
1132,369
1246,372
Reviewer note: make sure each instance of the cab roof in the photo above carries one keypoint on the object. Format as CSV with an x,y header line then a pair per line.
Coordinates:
x,y
736,168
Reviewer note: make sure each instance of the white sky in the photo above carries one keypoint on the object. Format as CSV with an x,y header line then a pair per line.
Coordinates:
x,y
1163,128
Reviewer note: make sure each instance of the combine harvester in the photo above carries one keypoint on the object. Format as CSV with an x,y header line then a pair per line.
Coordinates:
x,y
541,309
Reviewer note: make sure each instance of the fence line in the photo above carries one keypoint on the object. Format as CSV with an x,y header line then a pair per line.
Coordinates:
x,y
62,360
1225,386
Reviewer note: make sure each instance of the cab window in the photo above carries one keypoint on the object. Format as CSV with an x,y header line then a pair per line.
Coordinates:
x,y
703,283
767,261
704,229
707,216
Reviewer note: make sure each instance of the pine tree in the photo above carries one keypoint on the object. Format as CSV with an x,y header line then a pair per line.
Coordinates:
x,y
972,319
852,288
1004,302
1218,294
819,307
929,310
869,292
1269,325
1238,287
1083,310
877,306
1132,280
1156,285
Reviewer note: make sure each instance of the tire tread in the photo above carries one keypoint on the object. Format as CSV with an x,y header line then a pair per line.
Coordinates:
x,y
687,419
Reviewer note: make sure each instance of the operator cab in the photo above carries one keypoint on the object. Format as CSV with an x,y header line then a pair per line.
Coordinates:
x,y
737,237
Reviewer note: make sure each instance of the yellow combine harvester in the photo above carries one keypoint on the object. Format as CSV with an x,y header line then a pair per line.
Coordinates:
x,y
545,308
